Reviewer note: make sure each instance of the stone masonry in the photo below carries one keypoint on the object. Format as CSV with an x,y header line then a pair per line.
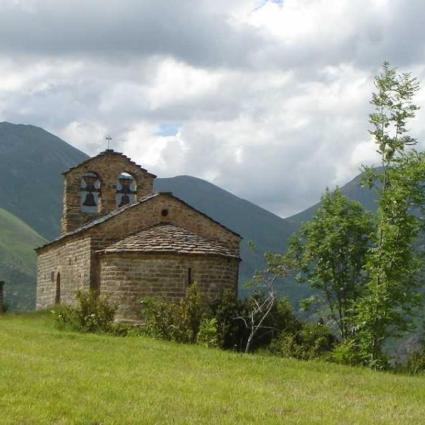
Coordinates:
x,y
129,278
108,166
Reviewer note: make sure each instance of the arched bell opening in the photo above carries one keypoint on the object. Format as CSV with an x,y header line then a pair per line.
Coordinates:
x,y
90,193
126,190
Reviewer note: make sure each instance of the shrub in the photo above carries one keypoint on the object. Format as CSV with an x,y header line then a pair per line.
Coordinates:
x,y
192,309
208,335
280,320
345,353
309,342
231,331
176,321
160,318
92,313
416,363
221,325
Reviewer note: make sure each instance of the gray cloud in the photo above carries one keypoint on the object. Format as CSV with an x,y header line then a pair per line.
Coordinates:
x,y
120,31
269,102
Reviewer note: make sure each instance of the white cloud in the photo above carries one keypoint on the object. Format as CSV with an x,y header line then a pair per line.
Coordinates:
x,y
268,99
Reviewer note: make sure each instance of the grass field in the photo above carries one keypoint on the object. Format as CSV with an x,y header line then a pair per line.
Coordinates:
x,y
53,377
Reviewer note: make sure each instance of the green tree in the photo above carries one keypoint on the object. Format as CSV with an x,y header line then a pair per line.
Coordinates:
x,y
392,264
328,253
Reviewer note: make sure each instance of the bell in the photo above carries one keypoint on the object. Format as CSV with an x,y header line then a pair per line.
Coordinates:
x,y
90,181
89,201
125,199
125,184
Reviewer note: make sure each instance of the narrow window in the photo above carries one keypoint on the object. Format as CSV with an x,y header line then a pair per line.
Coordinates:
x,y
189,277
58,289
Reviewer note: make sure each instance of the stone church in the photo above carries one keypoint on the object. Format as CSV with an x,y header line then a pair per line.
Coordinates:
x,y
124,240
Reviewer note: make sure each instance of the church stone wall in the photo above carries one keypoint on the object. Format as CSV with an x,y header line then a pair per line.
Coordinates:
x,y
74,257
128,278
72,263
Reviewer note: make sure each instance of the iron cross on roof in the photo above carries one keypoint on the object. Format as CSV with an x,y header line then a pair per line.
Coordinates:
x,y
108,141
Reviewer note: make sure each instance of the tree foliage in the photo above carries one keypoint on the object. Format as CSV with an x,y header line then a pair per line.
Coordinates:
x,y
393,264
328,253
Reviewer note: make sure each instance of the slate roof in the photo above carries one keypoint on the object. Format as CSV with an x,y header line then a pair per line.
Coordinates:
x,y
108,152
168,238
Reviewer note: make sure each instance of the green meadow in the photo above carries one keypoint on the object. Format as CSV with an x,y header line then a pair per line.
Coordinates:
x,y
49,376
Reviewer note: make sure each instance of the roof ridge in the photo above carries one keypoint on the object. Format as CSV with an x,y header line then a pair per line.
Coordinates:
x,y
108,152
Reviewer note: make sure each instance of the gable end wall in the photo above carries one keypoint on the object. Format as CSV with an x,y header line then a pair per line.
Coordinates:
x,y
149,213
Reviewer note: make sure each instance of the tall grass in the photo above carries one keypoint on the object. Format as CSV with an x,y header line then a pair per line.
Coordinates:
x,y
53,377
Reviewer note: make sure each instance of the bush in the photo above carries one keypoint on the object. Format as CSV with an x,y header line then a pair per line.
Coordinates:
x,y
93,313
175,321
280,320
416,363
192,309
309,342
208,335
232,331
221,325
346,353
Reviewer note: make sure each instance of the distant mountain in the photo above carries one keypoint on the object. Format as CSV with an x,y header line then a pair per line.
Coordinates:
x,y
17,260
352,190
31,183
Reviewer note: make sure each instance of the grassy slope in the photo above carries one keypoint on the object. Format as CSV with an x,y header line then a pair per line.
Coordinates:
x,y
17,259
53,377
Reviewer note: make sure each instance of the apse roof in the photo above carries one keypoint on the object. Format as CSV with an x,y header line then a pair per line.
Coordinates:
x,y
170,239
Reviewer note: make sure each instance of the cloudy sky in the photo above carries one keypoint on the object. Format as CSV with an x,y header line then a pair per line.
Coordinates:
x,y
267,99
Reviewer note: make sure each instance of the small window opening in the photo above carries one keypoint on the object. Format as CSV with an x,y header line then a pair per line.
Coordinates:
x,y
189,276
164,212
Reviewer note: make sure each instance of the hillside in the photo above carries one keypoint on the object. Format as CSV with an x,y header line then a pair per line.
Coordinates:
x,y
17,260
352,190
52,377
31,165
